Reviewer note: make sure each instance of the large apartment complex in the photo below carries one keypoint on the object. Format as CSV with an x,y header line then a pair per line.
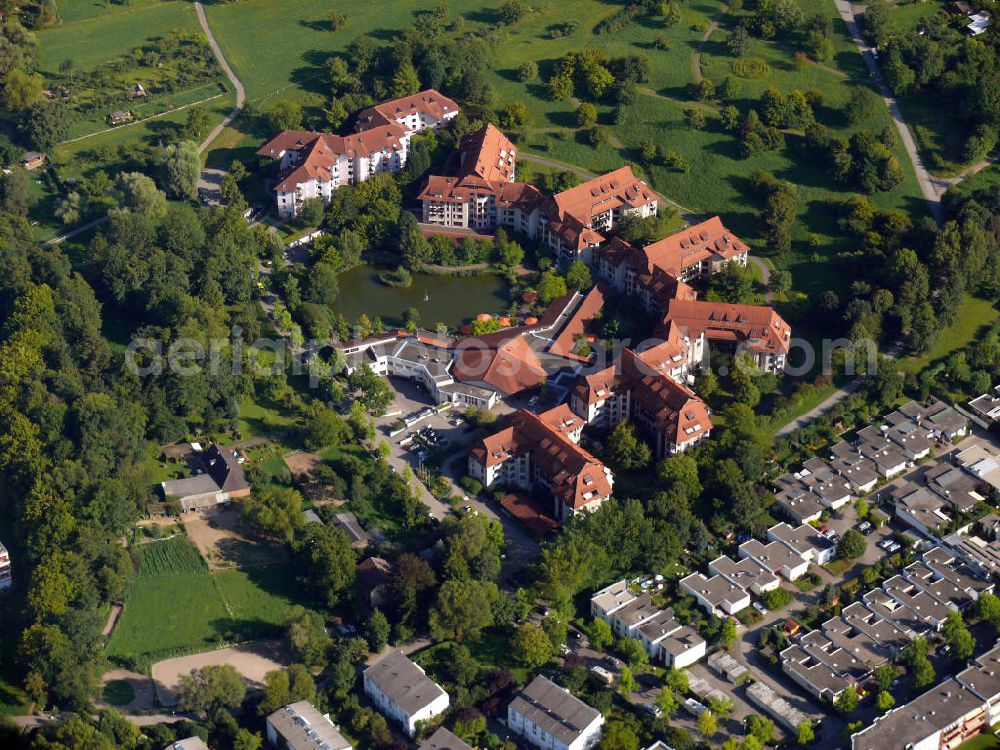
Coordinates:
x,y
542,451
314,165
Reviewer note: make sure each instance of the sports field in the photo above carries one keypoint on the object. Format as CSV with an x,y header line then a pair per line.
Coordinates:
x,y
175,606
279,53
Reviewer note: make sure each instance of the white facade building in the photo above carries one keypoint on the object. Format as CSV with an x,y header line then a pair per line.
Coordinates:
x,y
549,717
403,692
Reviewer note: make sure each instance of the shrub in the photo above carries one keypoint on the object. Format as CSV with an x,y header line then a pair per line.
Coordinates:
x,y
777,598
471,485
751,67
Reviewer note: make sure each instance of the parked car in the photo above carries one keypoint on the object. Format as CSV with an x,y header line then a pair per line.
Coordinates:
x,y
760,608
865,527
652,708
894,548
613,661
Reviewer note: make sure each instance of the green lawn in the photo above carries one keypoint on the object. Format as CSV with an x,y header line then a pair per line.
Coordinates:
x,y
258,419
974,316
982,742
118,693
183,608
13,700
92,40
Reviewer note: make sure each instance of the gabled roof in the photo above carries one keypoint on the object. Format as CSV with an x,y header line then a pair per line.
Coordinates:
x,y
510,366
488,154
688,247
760,327
605,193
429,102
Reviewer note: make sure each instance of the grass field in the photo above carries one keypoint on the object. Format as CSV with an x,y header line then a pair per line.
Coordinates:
x,y
280,57
175,606
982,742
974,316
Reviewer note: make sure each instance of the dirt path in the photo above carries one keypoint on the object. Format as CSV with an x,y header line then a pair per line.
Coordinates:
x,y
696,57
116,610
241,94
252,660
765,274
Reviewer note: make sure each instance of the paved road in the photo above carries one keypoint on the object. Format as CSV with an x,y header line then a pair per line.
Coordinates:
x,y
240,92
73,233
765,275
929,186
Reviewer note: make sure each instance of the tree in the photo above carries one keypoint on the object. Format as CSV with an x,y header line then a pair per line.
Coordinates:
x,y
337,21
578,275
215,686
377,631
46,123
560,87
275,510
708,724
515,117
959,638
586,115
323,427
988,609
530,646
619,736
527,71
625,450
139,194
804,732
738,41
852,545
406,81
284,686
551,286
884,676
463,609
847,701
633,652
626,681
21,89
733,283
728,633
511,11
884,701
326,561
600,635
197,124
15,192
860,104
308,637
920,666
70,209
183,169
412,244
285,115
760,727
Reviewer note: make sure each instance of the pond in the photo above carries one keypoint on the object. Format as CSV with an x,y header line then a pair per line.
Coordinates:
x,y
452,300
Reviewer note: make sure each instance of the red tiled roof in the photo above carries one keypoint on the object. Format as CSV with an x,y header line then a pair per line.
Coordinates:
x,y
675,409
510,367
576,478
604,193
429,101
488,154
564,342
323,151
690,246
761,327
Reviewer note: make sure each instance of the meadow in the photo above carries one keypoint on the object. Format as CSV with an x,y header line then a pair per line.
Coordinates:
x,y
175,606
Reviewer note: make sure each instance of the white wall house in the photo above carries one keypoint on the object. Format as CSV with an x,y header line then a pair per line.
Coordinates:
x,y
549,717
403,692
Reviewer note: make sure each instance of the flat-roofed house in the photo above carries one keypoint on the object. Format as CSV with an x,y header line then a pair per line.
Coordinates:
x,y
301,726
403,692
921,509
987,406
895,612
628,618
776,557
716,595
816,677
881,631
924,605
943,589
549,717
805,540
747,573
609,600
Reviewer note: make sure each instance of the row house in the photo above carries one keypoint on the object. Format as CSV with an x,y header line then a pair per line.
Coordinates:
x,y
549,717
535,452
401,691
